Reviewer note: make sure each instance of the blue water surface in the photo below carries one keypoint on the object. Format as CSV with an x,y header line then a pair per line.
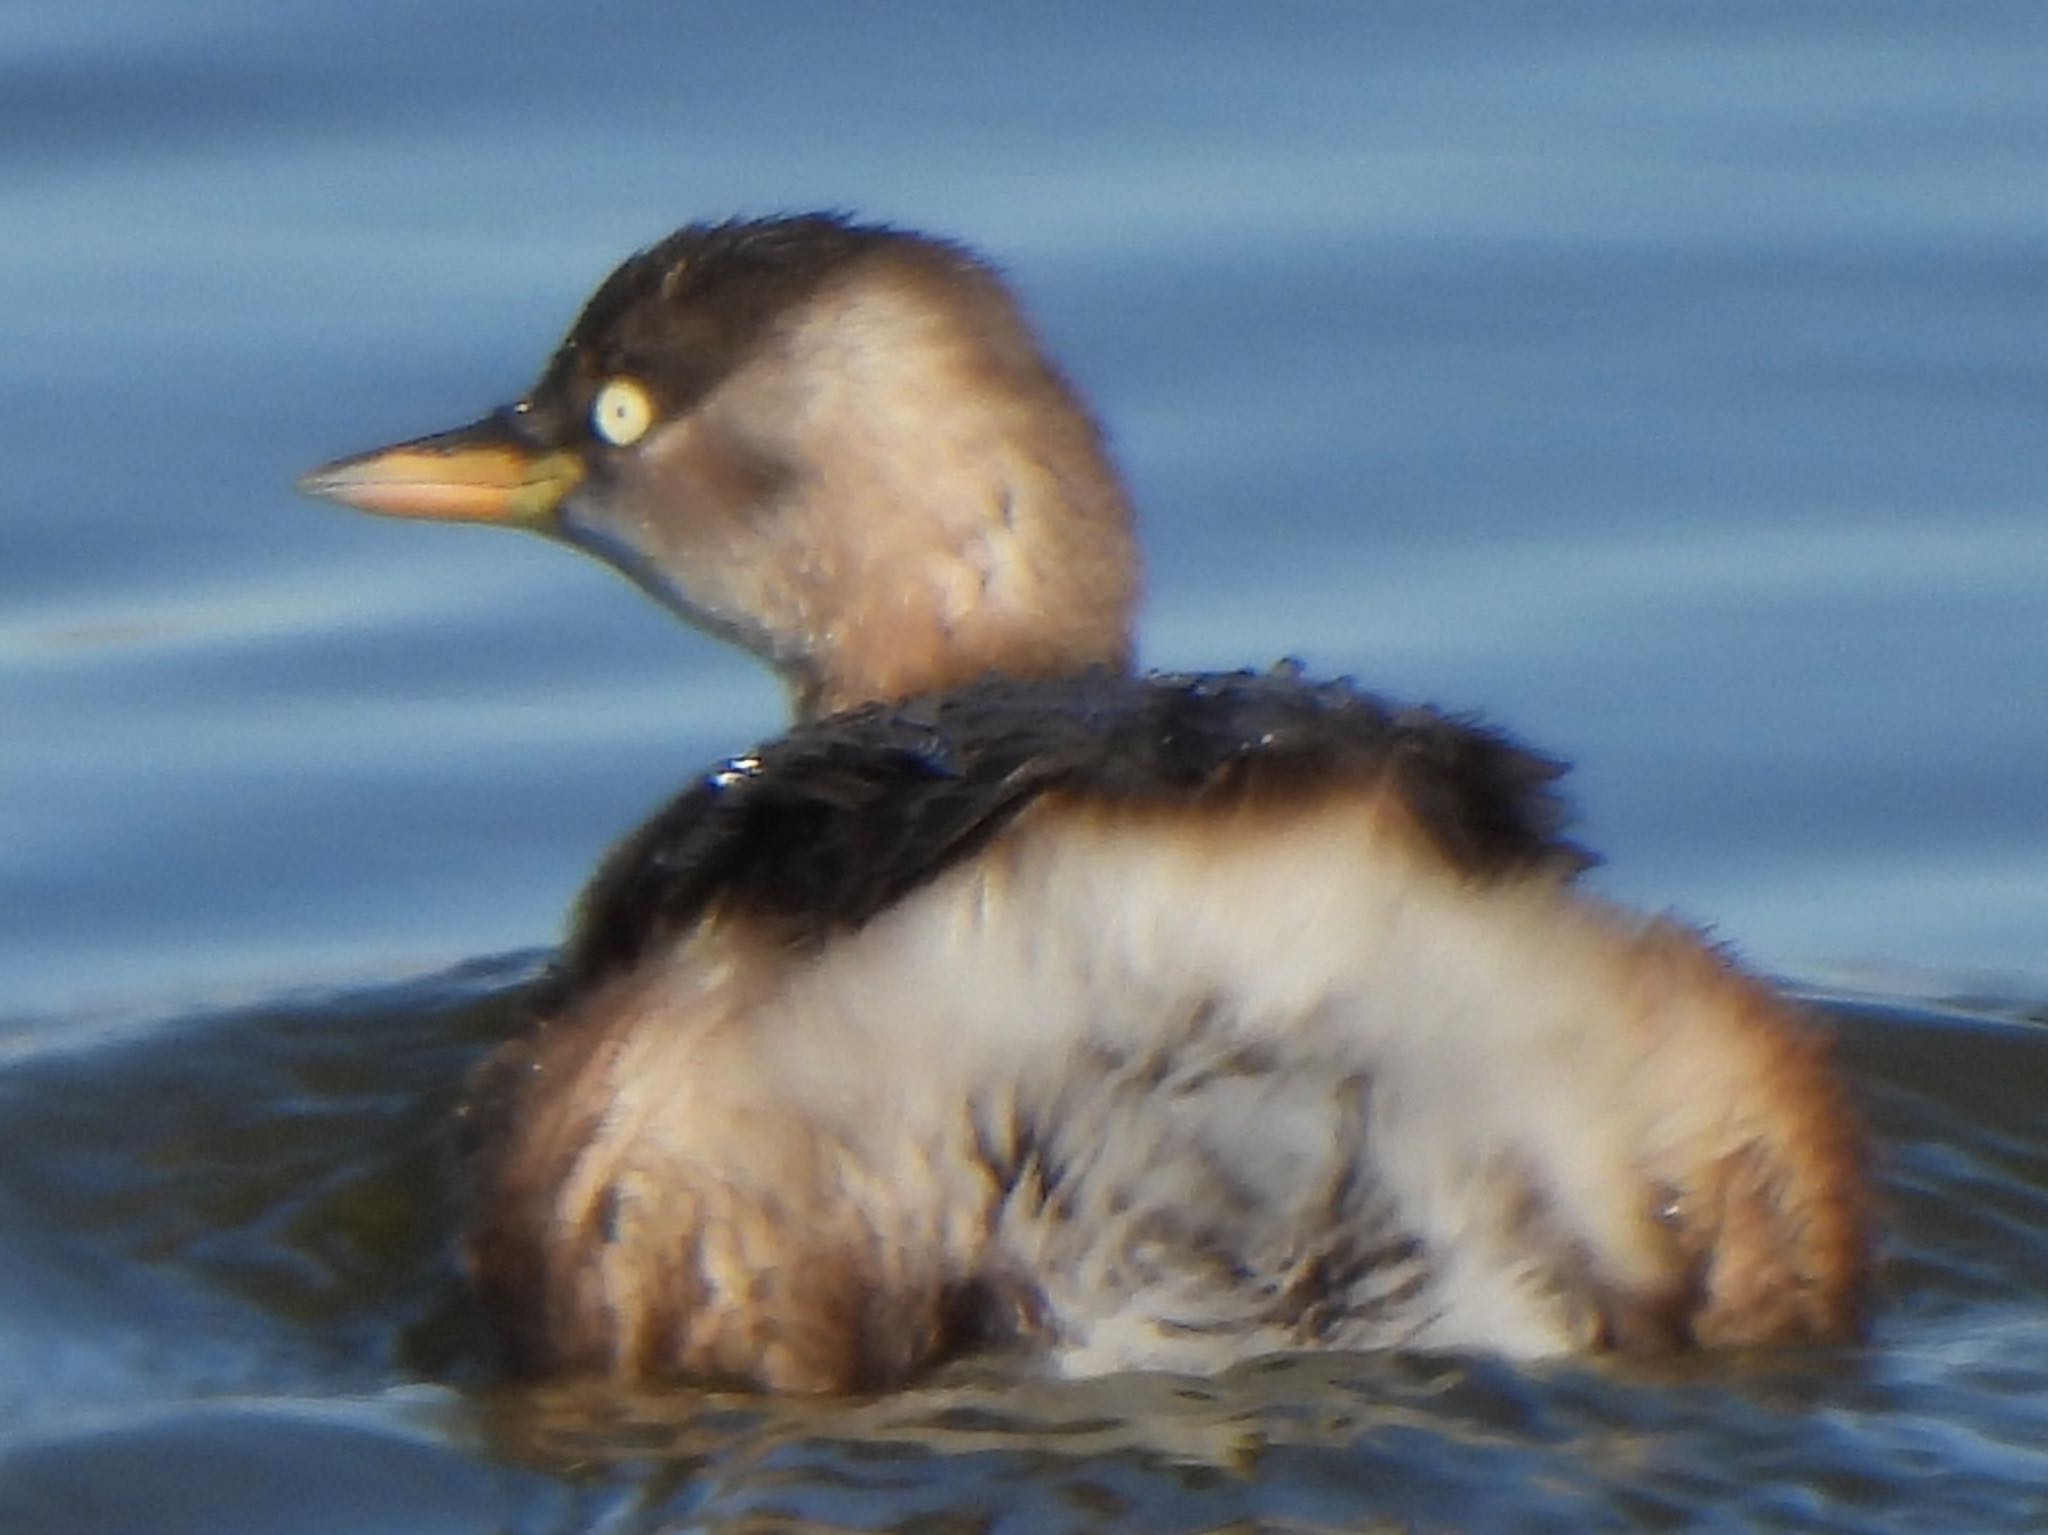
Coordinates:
x,y
1666,384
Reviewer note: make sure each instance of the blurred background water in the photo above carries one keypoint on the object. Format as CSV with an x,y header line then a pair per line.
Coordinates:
x,y
1666,384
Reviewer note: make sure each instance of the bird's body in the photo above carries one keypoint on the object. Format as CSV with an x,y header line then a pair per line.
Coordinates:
x,y
1155,1022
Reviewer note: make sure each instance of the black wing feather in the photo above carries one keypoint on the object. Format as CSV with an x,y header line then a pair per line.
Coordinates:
x,y
835,821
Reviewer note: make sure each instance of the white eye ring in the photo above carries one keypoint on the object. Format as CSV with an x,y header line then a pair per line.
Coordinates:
x,y
621,413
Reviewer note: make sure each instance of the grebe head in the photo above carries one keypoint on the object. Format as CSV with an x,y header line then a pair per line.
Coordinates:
x,y
839,446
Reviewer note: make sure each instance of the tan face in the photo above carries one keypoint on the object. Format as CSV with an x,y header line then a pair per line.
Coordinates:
x,y
862,470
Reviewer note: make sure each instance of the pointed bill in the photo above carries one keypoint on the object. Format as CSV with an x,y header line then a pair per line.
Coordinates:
x,y
482,472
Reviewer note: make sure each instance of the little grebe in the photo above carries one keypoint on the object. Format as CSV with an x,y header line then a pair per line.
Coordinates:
x,y
1155,1021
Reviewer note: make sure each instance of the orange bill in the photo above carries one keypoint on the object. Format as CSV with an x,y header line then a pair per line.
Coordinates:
x,y
477,473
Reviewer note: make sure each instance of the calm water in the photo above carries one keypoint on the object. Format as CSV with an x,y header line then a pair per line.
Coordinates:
x,y
1667,384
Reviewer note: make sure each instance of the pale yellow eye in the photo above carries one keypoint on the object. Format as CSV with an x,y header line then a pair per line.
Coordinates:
x,y
621,413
